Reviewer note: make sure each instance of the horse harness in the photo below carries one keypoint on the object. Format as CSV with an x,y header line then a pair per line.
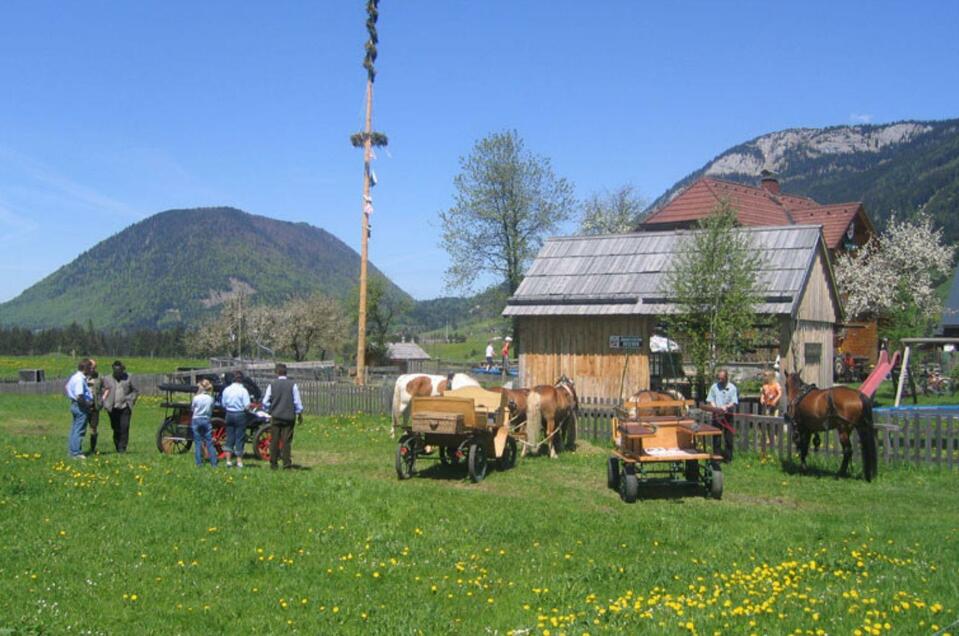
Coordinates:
x,y
831,411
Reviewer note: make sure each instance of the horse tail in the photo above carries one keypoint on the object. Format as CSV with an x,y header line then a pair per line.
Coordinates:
x,y
867,440
534,419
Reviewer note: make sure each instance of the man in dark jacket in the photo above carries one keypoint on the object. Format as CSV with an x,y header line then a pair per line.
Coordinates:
x,y
282,401
119,396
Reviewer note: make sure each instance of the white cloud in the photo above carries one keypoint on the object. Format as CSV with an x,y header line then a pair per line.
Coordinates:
x,y
860,118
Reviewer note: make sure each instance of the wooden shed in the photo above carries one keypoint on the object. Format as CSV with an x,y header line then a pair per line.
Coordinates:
x,y
587,299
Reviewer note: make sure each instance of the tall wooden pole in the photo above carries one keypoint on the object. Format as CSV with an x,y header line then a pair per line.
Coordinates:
x,y
368,139
364,237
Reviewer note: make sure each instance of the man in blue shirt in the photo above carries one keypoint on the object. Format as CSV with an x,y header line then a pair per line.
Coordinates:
x,y
282,401
723,398
81,403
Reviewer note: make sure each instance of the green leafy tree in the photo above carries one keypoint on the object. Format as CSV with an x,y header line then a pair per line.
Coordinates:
x,y
713,288
615,212
383,312
507,200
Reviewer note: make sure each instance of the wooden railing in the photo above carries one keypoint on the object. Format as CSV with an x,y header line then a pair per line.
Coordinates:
x,y
916,438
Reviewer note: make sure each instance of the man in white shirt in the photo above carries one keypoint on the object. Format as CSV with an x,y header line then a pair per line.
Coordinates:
x,y
81,403
236,402
490,352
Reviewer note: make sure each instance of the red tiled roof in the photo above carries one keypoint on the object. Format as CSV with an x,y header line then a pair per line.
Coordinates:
x,y
757,207
834,219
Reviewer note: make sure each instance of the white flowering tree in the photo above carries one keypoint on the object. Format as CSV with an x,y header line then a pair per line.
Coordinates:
x,y
893,278
616,212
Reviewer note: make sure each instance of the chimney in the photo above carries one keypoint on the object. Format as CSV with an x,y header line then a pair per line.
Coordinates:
x,y
769,182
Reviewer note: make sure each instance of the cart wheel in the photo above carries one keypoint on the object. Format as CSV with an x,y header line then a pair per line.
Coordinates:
x,y
218,424
171,440
508,460
261,443
629,485
716,484
612,473
692,470
476,462
448,456
405,457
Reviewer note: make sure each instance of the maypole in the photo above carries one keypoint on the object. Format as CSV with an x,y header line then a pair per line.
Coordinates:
x,y
366,140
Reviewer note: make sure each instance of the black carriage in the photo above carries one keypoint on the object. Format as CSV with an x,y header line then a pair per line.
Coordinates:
x,y
175,435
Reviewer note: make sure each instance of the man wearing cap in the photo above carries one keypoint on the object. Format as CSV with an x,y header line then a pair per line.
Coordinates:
x,y
282,401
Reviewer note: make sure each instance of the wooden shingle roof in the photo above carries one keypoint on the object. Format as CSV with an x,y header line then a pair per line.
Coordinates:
x,y
625,273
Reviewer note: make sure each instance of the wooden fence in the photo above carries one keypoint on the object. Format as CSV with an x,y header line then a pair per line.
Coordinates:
x,y
918,438
914,438
147,384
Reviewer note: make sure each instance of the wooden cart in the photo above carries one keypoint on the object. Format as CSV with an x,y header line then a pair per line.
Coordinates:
x,y
666,449
468,425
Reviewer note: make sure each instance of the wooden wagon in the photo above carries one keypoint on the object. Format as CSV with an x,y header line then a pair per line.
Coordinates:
x,y
468,425
653,447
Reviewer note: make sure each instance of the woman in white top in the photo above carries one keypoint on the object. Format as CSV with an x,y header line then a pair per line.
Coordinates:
x,y
202,431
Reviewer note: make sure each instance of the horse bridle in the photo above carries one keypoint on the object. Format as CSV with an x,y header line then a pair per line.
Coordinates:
x,y
564,383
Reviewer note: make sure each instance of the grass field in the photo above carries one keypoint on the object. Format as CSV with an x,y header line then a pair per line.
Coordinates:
x,y
149,543
473,349
59,365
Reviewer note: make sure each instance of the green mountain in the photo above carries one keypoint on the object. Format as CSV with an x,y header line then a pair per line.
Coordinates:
x,y
901,167
178,266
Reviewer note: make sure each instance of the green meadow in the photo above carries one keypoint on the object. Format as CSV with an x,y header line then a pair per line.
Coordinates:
x,y
148,543
58,365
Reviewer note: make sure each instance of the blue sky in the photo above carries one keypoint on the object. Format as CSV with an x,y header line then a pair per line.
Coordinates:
x,y
113,111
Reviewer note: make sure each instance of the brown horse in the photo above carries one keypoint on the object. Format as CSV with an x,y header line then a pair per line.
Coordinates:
x,y
516,401
813,410
558,405
640,398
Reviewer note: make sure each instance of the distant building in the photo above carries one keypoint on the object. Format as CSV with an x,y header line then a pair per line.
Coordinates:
x,y
583,293
845,227
401,353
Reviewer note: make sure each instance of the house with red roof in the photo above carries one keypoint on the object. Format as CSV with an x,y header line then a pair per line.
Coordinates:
x,y
845,228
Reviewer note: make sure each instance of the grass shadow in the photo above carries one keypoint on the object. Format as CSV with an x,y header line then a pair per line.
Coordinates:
x,y
792,467
677,492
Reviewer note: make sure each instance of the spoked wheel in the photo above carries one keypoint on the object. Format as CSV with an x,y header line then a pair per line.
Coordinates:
x,y
612,473
692,470
716,482
173,439
476,463
261,443
449,456
219,435
508,460
629,484
405,457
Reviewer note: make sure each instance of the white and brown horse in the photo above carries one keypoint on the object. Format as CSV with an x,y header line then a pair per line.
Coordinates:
x,y
558,405
414,385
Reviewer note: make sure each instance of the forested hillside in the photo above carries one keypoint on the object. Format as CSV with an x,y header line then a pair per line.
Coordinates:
x,y
177,266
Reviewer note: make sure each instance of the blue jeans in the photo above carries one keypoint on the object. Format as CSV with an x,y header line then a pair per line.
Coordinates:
x,y
236,432
203,436
77,430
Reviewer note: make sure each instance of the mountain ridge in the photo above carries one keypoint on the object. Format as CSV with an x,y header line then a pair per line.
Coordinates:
x,y
897,167
178,265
